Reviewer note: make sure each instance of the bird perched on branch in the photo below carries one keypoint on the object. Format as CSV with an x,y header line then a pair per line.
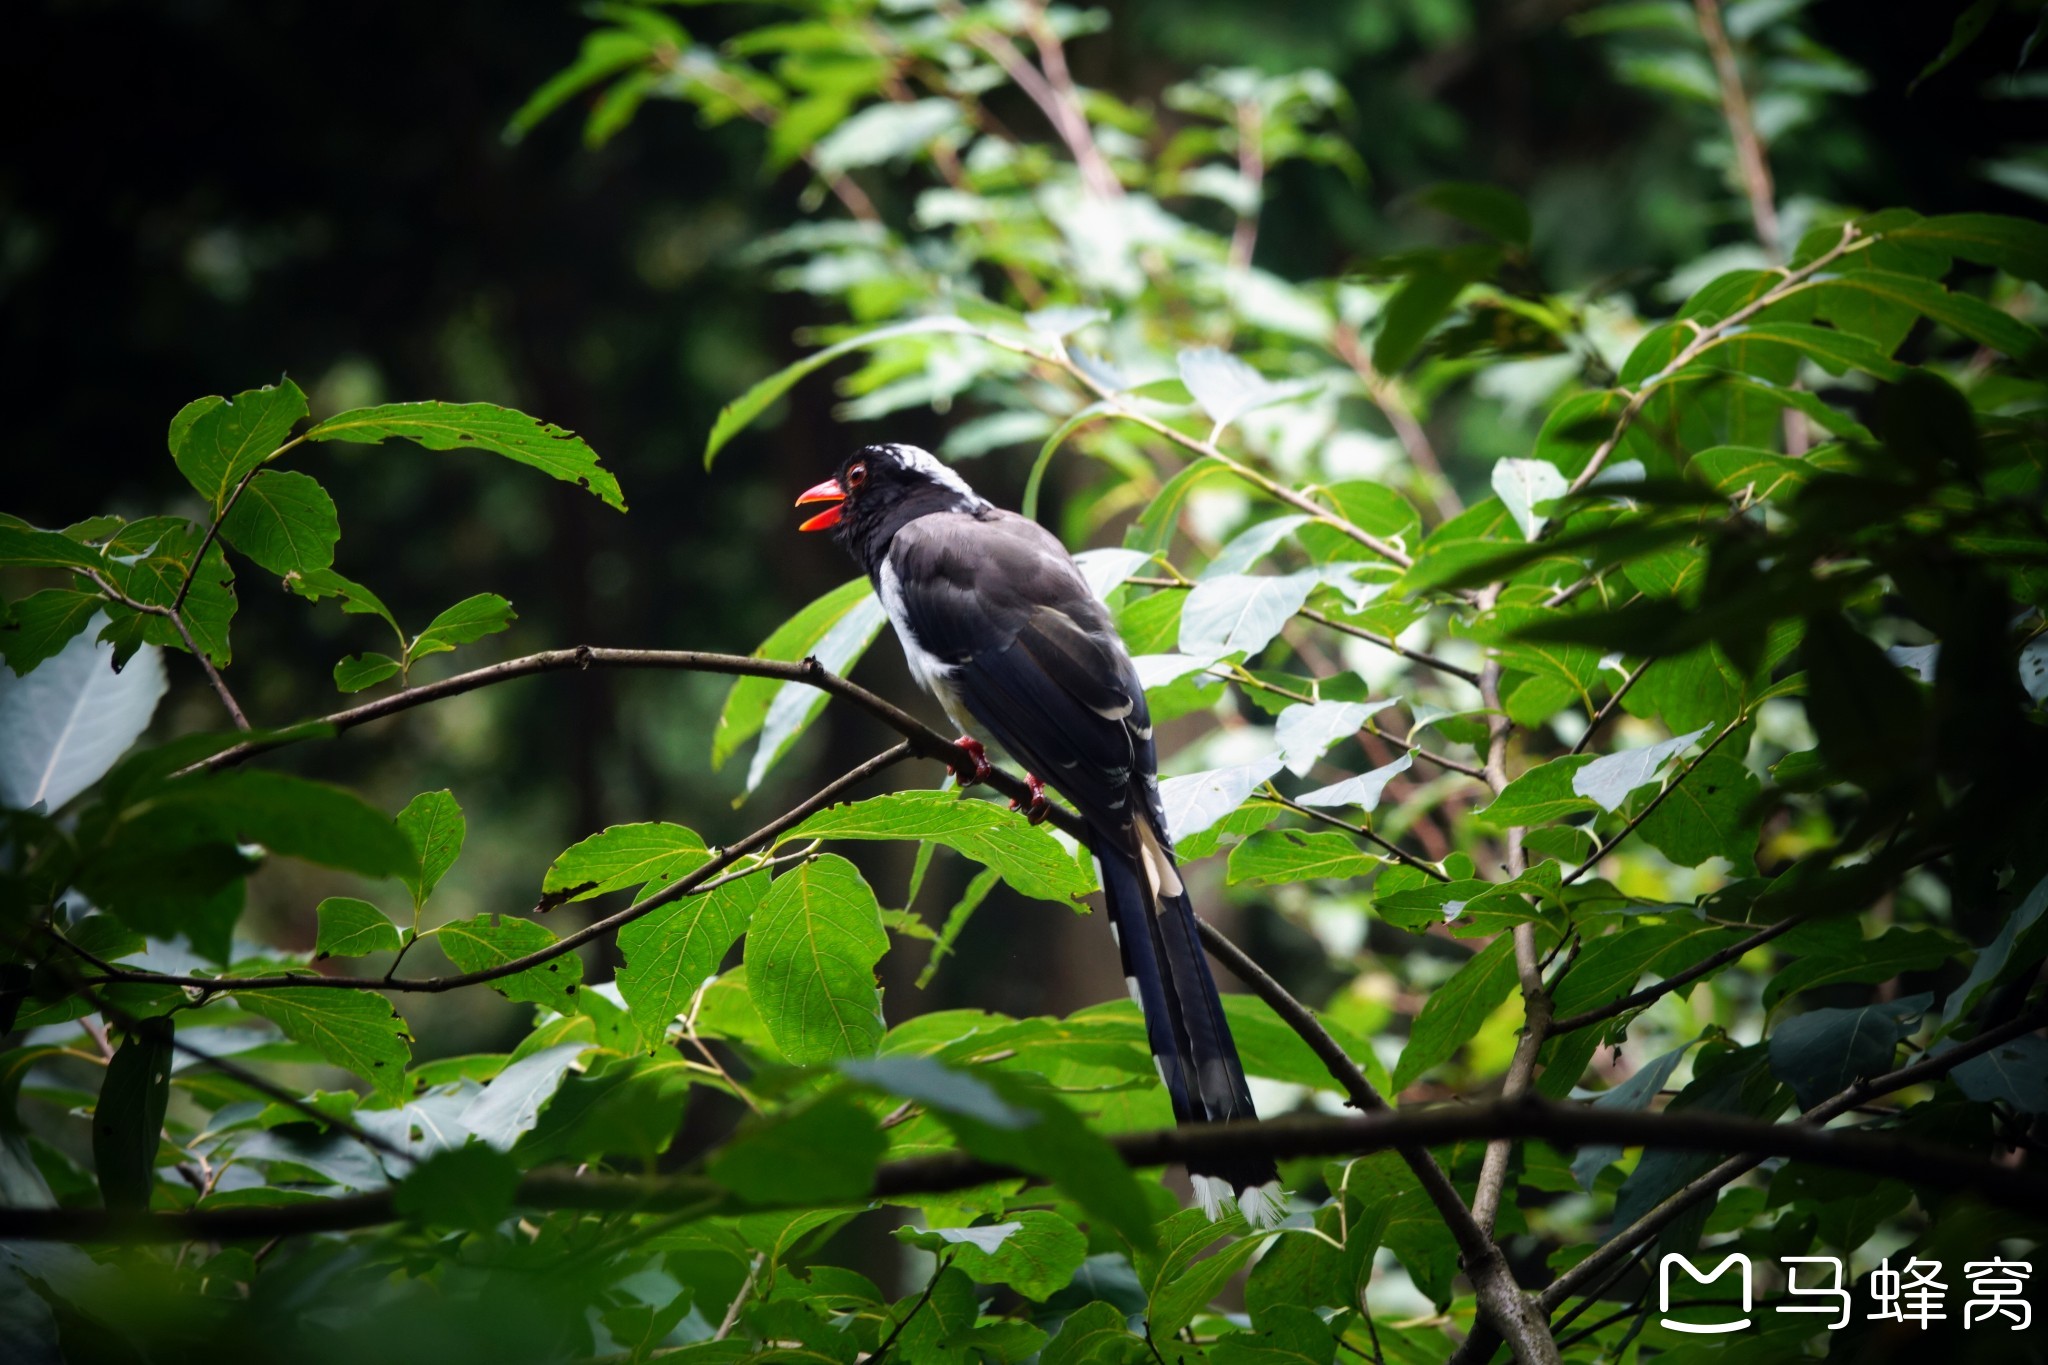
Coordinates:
x,y
998,623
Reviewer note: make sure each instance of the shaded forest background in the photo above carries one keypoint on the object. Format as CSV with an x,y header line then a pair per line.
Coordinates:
x,y
197,193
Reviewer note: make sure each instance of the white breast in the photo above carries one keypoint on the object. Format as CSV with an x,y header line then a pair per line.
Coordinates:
x,y
933,674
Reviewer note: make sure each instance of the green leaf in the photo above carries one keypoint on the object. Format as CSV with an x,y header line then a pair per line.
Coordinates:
x,y
1969,26
1241,613
1179,1281
317,585
2014,245
824,1152
1818,1053
1755,475
38,627
1497,212
1455,1010
285,522
1525,485
810,958
357,1031
479,426
25,547
1715,810
471,1186
648,856
1272,857
737,415
1865,712
1971,317
746,705
290,816
2014,1073
128,1121
629,1110
956,921
795,704
606,52
432,824
1287,1335
1036,1253
1542,794
217,442
355,673
470,619
1609,779
1094,1334
487,941
1024,855
1996,961
1855,958
1411,314
671,952
353,928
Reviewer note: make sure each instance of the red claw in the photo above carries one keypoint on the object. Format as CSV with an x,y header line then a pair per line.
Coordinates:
x,y
1038,807
982,768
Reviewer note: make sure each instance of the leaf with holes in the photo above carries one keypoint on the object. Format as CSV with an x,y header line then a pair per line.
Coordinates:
x,y
432,823
357,1031
553,450
487,941
672,951
648,856
217,442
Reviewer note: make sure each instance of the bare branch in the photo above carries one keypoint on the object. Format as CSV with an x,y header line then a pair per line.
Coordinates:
x,y
177,619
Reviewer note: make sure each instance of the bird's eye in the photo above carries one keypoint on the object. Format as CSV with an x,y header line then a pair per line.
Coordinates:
x,y
856,476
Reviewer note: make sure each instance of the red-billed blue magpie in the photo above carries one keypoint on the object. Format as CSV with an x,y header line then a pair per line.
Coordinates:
x,y
997,622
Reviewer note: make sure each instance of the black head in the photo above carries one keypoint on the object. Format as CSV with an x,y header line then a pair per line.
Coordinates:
x,y
880,488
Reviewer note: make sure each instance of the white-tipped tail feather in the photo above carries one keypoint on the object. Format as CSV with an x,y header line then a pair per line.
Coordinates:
x,y
1263,1206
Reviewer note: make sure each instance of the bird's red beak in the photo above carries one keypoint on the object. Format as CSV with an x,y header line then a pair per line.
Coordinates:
x,y
828,491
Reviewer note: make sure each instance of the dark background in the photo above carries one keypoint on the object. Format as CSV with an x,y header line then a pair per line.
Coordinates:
x,y
197,197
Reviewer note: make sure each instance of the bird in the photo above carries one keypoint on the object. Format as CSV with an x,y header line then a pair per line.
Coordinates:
x,y
997,622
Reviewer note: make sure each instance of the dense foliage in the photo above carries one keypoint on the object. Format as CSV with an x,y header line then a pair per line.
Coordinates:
x,y
1691,773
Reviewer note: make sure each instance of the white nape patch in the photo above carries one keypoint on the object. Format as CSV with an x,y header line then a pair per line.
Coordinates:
x,y
1263,1206
1212,1194
1131,985
936,469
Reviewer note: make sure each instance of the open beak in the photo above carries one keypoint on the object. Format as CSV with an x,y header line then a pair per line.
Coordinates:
x,y
828,491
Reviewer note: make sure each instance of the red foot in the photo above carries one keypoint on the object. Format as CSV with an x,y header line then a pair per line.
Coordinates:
x,y
982,770
1038,807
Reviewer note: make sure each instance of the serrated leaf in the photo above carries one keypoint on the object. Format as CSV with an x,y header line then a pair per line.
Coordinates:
x,y
796,704
1455,1010
357,672
284,521
1542,794
468,620
672,951
128,1121
648,856
1306,731
1241,613
553,450
487,941
1272,857
37,627
1714,811
217,442
64,725
432,823
1523,486
810,958
1199,800
1024,855
352,928
1363,791
358,1031
1608,780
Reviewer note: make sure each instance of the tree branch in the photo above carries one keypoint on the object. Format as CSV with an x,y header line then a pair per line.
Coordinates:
x,y
1503,1305
1891,1157
1669,787
177,619
1623,1244
1677,980
1749,146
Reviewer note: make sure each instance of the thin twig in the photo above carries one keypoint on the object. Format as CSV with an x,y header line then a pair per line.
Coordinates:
x,y
177,619
1599,718
1392,850
1677,980
1749,145
882,1351
732,1312
1673,785
1386,395
1251,165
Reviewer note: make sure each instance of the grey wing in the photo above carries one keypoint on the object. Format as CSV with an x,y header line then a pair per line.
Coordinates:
x,y
1030,652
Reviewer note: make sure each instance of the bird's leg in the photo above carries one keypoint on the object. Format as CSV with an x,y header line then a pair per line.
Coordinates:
x,y
982,768
1037,808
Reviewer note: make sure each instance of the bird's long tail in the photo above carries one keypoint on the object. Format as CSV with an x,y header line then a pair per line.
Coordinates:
x,y
1168,975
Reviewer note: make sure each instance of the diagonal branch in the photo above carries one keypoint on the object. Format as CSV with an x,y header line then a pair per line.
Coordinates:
x,y
177,619
1593,860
